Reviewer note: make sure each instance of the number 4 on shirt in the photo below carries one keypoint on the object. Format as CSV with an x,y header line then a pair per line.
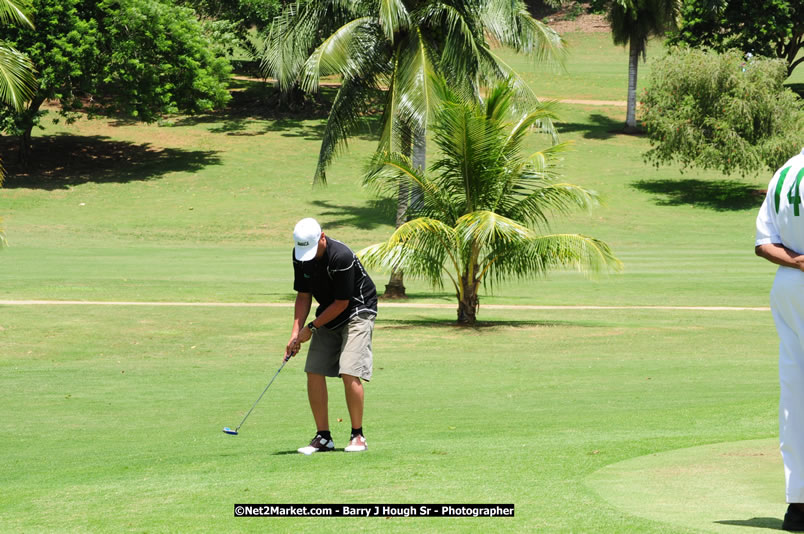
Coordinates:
x,y
793,195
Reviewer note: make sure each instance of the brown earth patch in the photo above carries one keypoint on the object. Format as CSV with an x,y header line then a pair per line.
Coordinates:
x,y
585,23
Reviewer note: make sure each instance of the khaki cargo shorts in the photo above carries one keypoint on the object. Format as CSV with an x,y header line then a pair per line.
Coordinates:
x,y
343,351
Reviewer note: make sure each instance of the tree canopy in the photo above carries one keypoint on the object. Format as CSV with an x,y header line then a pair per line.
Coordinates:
x,y
771,28
486,203
632,23
135,58
721,111
394,46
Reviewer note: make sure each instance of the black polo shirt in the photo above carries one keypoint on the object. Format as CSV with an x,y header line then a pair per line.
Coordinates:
x,y
337,275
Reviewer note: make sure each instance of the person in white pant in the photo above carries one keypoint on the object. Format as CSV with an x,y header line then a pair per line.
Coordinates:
x,y
780,240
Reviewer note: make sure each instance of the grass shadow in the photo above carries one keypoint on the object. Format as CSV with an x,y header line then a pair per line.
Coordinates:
x,y
772,523
797,88
63,160
424,322
259,100
720,195
285,453
378,212
598,127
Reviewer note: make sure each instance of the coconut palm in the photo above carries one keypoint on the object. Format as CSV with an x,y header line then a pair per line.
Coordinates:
x,y
395,47
17,82
485,204
632,23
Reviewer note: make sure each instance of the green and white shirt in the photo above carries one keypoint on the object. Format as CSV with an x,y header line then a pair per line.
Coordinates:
x,y
781,217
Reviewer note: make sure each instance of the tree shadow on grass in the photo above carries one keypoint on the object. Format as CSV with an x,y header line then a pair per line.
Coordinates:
x,y
367,130
378,212
797,88
599,127
61,161
254,100
720,195
772,523
424,322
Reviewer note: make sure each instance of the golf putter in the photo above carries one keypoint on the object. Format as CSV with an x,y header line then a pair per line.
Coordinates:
x,y
234,432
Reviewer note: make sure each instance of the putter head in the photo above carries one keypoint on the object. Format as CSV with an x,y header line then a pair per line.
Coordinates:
x,y
229,431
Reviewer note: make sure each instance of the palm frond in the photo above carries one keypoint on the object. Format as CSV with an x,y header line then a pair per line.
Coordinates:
x,y
551,199
344,118
397,131
576,251
511,25
526,99
10,12
415,76
287,46
17,82
540,114
388,169
540,254
498,102
459,40
420,248
469,148
297,31
349,48
490,230
393,17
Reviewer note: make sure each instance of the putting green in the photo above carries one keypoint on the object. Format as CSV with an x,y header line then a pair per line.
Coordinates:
x,y
723,487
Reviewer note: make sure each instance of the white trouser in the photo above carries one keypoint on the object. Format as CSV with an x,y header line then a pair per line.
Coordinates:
x,y
787,305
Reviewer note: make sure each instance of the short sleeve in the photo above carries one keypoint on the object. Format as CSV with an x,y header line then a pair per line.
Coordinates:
x,y
301,283
766,224
342,270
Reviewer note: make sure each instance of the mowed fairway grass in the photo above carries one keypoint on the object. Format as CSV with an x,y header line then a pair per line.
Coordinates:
x,y
112,415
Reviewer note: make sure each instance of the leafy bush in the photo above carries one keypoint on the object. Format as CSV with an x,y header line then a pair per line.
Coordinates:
x,y
721,111
138,58
158,61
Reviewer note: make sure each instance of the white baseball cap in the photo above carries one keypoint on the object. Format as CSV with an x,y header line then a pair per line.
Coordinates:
x,y
306,236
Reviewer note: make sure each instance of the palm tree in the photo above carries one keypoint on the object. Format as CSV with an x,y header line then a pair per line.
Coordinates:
x,y
632,23
395,47
17,81
485,203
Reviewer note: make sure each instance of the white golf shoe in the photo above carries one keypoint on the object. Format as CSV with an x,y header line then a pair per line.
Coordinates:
x,y
318,444
356,444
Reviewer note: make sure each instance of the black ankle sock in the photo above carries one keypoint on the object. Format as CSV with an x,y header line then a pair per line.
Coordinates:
x,y
325,434
357,431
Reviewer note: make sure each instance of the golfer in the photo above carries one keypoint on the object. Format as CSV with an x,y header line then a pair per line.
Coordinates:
x,y
780,240
340,334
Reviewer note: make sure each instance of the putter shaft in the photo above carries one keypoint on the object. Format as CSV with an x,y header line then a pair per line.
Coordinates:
x,y
263,392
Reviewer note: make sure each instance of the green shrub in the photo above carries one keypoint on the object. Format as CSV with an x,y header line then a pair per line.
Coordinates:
x,y
721,111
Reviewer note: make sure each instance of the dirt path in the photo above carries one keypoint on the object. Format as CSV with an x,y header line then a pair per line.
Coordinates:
x,y
383,304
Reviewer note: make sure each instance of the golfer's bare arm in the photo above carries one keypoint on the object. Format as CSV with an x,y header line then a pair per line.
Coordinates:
x,y
333,310
780,255
300,333
304,302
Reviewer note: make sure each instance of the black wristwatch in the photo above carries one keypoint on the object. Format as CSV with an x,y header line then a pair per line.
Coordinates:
x,y
312,327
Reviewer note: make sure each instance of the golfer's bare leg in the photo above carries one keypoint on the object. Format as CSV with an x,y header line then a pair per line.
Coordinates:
x,y
317,395
354,399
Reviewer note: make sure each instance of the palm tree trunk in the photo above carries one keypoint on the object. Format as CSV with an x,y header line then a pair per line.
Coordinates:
x,y
395,288
419,161
633,64
468,302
